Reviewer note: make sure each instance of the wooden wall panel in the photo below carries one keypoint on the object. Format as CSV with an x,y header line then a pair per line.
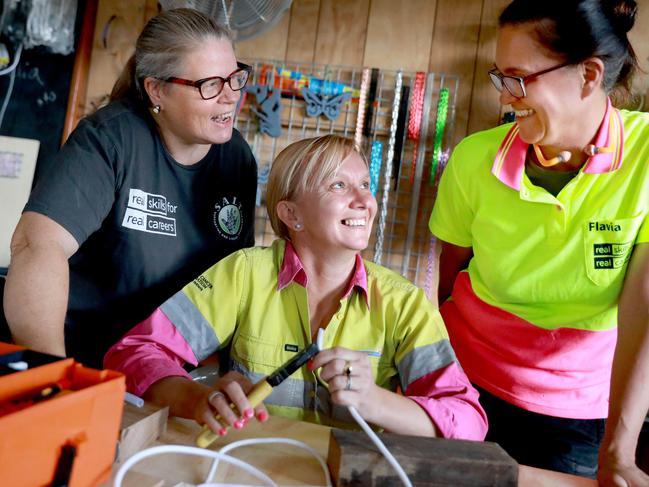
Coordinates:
x,y
270,45
485,107
342,30
639,37
302,31
454,49
435,35
117,27
399,34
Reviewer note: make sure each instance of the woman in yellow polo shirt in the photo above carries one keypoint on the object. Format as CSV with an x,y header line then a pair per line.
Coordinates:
x,y
544,233
262,305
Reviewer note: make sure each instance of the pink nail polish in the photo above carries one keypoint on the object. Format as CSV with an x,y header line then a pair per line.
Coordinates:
x,y
248,413
238,424
262,416
223,432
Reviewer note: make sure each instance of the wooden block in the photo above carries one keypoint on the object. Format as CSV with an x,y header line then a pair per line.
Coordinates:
x,y
354,460
140,428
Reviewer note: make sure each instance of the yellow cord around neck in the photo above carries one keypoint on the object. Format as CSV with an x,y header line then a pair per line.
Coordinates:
x,y
549,162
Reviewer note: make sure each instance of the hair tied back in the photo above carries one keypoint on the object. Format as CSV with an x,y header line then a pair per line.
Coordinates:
x,y
621,13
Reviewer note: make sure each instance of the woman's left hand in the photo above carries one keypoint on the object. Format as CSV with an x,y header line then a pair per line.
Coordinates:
x,y
350,379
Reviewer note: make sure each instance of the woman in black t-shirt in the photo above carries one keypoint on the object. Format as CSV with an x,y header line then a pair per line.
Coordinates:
x,y
145,193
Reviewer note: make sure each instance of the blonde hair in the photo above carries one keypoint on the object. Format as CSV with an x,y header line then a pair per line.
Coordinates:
x,y
302,167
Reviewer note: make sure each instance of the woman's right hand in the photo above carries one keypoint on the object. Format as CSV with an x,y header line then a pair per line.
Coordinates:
x,y
214,408
614,474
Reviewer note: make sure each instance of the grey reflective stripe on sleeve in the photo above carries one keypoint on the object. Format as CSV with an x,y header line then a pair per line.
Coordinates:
x,y
191,324
424,360
294,393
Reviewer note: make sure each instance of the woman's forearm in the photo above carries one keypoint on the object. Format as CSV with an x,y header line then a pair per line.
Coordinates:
x,y
179,393
35,298
629,397
398,414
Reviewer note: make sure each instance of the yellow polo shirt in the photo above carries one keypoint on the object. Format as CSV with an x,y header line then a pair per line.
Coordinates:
x,y
533,320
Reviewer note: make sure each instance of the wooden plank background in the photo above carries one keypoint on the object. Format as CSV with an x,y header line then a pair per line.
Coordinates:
x,y
413,35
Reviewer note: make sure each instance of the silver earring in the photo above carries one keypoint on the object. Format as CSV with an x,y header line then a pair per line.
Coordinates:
x,y
298,226
156,109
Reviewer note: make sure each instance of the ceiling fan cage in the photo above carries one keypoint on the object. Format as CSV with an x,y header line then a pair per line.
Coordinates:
x,y
244,18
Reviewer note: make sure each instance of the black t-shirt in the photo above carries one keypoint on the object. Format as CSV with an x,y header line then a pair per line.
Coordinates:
x,y
146,224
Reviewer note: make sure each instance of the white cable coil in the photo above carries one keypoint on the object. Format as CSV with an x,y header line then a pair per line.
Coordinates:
x,y
254,471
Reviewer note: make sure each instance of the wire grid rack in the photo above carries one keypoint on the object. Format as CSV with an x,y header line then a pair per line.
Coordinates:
x,y
405,243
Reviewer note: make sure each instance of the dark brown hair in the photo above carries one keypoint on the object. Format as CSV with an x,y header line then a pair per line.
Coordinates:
x,y
576,30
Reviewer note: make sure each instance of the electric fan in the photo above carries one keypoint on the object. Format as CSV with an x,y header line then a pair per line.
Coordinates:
x,y
244,18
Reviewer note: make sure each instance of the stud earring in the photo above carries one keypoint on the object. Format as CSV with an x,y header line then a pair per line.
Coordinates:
x,y
156,109
298,226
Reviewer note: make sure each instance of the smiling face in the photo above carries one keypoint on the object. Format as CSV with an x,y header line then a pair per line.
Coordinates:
x,y
186,119
548,115
338,215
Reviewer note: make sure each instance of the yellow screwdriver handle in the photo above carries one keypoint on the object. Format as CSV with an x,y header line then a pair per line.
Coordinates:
x,y
259,392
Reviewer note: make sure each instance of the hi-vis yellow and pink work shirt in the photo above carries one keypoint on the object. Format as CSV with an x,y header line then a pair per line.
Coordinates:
x,y
533,319
254,303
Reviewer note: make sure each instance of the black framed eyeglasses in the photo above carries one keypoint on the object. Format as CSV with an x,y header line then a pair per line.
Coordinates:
x,y
213,86
515,85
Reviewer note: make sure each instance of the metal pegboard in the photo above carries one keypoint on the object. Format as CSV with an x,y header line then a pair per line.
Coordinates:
x,y
404,242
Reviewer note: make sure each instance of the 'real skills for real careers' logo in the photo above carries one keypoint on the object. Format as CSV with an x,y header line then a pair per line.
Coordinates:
x,y
150,213
228,218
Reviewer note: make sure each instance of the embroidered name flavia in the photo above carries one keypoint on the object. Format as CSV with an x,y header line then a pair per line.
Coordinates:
x,y
603,227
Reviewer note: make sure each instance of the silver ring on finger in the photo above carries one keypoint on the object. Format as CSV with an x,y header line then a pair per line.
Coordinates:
x,y
348,386
214,395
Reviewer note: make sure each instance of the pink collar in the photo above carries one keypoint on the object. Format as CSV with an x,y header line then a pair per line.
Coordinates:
x,y
292,270
509,164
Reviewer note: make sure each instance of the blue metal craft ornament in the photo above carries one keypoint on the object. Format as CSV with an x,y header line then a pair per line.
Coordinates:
x,y
375,165
329,106
262,179
268,109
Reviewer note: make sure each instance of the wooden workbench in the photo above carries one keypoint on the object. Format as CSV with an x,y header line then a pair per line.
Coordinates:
x,y
286,465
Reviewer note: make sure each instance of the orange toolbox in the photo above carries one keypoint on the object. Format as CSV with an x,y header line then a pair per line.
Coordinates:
x,y
59,420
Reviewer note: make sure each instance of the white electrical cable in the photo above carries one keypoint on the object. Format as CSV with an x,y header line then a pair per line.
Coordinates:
x,y
382,448
189,450
368,431
265,441
222,454
13,65
11,70
5,103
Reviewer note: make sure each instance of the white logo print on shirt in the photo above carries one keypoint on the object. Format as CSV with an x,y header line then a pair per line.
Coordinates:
x,y
149,212
228,218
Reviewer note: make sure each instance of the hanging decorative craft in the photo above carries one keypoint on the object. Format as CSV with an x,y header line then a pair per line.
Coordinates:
x,y
435,167
329,106
291,82
376,116
262,179
378,248
440,124
362,103
268,109
414,122
376,157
